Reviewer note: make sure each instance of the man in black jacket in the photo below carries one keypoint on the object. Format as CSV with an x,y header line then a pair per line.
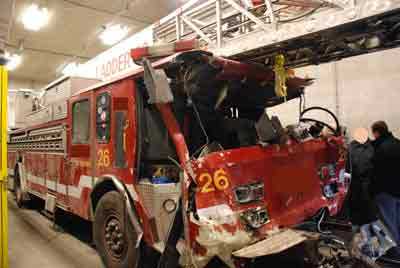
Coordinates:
x,y
359,164
386,179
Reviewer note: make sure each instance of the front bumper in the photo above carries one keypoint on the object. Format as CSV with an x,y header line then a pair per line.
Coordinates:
x,y
273,244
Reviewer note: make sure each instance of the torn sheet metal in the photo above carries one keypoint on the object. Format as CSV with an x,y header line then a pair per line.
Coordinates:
x,y
218,235
273,244
220,214
157,84
220,243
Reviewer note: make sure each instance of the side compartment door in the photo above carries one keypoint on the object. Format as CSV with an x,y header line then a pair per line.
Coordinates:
x,y
78,173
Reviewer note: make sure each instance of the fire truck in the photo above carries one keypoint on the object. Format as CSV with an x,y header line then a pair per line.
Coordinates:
x,y
181,157
177,163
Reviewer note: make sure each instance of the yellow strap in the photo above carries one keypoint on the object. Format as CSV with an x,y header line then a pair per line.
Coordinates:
x,y
280,76
3,169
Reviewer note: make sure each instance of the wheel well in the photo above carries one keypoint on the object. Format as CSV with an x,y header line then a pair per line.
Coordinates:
x,y
102,188
111,183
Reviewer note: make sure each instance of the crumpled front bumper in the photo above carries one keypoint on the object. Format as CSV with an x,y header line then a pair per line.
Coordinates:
x,y
241,244
274,243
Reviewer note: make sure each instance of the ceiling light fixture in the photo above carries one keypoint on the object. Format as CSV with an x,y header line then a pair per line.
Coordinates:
x,y
113,34
35,17
14,60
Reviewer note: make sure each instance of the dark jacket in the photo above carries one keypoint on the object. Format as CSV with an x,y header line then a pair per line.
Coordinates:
x,y
386,161
359,202
359,162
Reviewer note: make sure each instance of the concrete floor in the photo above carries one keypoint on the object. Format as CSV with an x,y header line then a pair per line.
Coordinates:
x,y
33,242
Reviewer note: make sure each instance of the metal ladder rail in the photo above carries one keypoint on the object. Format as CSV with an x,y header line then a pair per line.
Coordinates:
x,y
52,139
274,28
214,13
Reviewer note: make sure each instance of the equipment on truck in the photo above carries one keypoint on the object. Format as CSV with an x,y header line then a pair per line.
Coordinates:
x,y
179,160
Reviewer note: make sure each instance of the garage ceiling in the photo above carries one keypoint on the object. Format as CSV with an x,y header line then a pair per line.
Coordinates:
x,y
6,7
71,34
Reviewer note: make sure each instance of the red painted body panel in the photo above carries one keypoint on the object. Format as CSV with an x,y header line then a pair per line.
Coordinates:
x,y
11,160
290,175
293,188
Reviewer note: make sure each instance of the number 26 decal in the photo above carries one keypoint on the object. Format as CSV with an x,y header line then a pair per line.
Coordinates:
x,y
219,181
103,158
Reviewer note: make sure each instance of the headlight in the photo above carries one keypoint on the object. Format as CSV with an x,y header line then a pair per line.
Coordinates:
x,y
330,190
249,193
255,218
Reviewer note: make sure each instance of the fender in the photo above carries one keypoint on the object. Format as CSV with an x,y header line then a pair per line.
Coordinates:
x,y
122,189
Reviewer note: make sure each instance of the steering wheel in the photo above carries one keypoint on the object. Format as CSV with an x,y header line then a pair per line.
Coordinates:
x,y
335,130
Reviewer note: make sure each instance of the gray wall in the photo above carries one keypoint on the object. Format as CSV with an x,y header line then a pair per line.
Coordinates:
x,y
360,90
22,83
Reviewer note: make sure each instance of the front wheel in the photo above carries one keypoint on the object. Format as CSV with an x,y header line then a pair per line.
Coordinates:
x,y
113,233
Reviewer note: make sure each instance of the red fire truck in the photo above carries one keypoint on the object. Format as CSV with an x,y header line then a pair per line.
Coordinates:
x,y
180,158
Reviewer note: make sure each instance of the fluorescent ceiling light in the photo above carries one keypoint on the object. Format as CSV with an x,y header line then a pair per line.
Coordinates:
x,y
113,34
70,69
14,61
35,17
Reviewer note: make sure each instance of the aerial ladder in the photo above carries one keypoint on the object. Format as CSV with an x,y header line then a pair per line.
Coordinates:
x,y
304,31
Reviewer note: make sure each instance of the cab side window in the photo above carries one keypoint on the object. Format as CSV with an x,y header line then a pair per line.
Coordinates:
x,y
103,112
156,142
81,122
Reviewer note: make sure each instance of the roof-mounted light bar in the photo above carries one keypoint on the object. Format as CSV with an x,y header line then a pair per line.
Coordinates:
x,y
164,50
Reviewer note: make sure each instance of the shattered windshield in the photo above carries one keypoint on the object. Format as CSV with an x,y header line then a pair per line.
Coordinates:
x,y
219,110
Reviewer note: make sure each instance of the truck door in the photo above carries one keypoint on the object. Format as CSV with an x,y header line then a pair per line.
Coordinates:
x,y
104,150
79,177
115,131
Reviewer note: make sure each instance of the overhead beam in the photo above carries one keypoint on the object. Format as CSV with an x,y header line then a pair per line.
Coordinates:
x,y
51,52
7,19
104,11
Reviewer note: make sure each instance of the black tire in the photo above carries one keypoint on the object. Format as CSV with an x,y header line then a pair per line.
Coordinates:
x,y
19,198
113,233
